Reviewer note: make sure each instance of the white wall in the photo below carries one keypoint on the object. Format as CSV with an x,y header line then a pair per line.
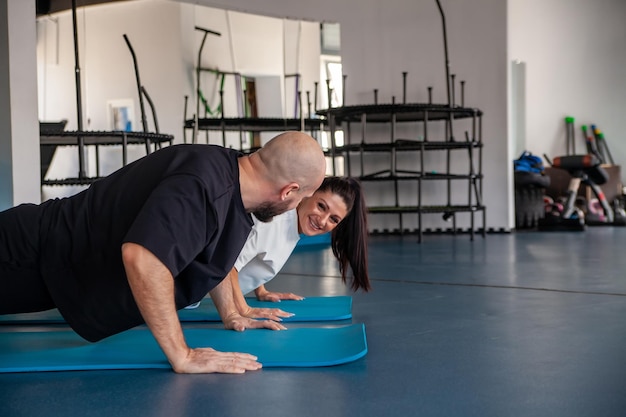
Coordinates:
x,y
575,66
19,136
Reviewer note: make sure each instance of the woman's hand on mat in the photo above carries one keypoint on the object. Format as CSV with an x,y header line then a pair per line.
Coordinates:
x,y
207,360
277,296
236,321
275,314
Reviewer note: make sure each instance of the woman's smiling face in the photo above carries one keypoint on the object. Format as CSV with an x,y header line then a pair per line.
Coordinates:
x,y
321,213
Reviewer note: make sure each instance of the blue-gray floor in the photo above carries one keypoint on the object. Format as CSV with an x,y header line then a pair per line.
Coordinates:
x,y
526,324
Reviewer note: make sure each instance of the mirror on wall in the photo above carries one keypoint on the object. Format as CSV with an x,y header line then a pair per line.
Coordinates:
x,y
251,66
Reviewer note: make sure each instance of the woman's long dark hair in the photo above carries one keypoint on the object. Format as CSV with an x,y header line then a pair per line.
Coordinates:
x,y
349,238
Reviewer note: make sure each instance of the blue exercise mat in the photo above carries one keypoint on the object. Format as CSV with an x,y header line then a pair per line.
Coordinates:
x,y
309,309
137,348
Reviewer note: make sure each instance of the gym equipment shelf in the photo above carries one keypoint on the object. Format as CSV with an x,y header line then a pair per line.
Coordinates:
x,y
425,115
50,140
256,124
250,125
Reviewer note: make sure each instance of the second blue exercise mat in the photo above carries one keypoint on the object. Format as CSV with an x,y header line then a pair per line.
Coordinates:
x,y
137,349
309,309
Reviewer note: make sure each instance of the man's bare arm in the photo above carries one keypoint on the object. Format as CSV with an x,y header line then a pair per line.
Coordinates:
x,y
152,286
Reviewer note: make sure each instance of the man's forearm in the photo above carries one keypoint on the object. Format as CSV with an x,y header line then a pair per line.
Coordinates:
x,y
152,286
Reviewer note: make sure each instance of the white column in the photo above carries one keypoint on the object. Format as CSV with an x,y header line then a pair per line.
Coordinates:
x,y
20,178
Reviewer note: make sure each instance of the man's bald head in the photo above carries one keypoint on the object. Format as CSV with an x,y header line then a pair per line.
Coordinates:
x,y
278,176
294,157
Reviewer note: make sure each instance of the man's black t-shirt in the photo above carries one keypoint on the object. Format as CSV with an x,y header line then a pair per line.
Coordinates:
x,y
182,203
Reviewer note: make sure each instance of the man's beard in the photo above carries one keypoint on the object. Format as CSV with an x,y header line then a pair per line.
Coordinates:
x,y
266,211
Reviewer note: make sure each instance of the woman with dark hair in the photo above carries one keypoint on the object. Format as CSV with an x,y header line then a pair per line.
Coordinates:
x,y
338,207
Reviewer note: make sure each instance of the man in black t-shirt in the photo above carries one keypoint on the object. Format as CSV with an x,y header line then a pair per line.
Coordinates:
x,y
151,238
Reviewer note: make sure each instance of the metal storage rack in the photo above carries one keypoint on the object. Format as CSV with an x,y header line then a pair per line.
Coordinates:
x,y
49,141
246,125
346,117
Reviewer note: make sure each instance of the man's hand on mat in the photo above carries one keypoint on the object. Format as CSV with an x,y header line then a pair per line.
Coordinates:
x,y
236,321
277,296
275,314
207,360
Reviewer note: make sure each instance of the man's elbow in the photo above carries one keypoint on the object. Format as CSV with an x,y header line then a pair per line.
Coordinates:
x,y
139,261
131,253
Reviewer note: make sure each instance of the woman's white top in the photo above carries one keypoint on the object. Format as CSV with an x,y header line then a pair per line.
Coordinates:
x,y
268,247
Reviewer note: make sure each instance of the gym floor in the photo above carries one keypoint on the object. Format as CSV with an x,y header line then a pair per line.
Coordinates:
x,y
521,324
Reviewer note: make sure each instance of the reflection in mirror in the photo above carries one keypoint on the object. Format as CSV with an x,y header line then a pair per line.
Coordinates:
x,y
259,67
331,64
